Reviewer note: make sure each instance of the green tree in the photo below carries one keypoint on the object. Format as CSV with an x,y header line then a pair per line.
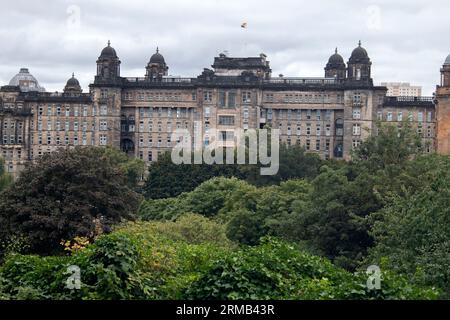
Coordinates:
x,y
295,163
389,149
5,178
64,194
166,179
412,233
133,168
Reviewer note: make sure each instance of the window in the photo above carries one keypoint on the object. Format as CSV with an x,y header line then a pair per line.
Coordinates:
x,y
104,93
231,99
355,143
246,97
67,111
58,125
67,125
194,96
308,129
49,110
226,120
318,130
318,114
75,126
85,111
429,116
389,116
207,112
356,129
380,115
308,114
49,125
399,116
103,110
103,140
328,115
226,136
103,125
269,97
269,114
317,145
299,130
356,113
328,130
207,96
308,144
75,111
222,99
420,116
245,114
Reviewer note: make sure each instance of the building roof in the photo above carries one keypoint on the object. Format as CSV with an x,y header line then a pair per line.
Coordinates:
x,y
224,62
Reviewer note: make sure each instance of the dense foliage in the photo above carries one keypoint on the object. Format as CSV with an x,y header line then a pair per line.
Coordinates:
x,y
224,232
166,179
65,194
144,261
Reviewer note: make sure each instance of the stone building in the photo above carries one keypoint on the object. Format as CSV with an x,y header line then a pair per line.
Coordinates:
x,y
329,115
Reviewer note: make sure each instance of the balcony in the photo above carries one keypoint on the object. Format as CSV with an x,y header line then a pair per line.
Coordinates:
x,y
24,111
409,101
302,81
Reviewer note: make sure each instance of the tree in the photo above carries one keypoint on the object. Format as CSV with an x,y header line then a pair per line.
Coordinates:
x,y
295,163
166,179
5,178
389,149
412,233
64,194
133,168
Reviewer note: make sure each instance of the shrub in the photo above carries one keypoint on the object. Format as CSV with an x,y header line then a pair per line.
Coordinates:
x,y
68,193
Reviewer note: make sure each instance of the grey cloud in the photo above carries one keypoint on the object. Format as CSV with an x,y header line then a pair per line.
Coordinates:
x,y
406,43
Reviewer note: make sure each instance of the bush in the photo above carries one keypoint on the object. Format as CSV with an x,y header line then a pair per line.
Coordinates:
x,y
278,270
68,193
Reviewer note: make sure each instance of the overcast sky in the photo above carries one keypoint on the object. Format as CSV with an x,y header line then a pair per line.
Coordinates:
x,y
407,40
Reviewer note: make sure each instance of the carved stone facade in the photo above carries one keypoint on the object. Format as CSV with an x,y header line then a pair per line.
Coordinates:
x,y
329,115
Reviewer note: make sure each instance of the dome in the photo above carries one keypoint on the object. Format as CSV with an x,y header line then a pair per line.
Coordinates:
x,y
336,59
157,58
447,60
72,84
359,55
108,52
73,81
25,80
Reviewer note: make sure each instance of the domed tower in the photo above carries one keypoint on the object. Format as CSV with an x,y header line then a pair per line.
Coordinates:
x,y
442,102
73,86
335,67
25,80
359,65
108,64
445,73
156,67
